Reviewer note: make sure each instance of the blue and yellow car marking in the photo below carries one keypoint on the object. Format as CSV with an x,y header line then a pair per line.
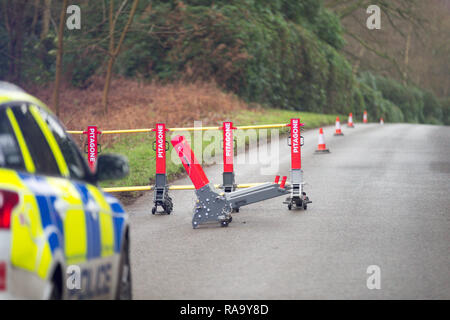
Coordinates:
x,y
92,224
58,215
118,220
91,234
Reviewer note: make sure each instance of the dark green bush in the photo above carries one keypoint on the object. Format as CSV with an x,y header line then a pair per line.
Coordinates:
x,y
445,103
377,107
249,48
417,105
328,28
280,53
432,109
340,87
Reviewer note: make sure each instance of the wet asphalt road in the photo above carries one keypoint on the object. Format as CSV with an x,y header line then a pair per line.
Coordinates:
x,y
381,197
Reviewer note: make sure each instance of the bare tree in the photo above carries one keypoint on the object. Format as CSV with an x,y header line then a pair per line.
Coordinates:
x,y
407,48
46,17
59,56
14,19
401,20
35,15
114,50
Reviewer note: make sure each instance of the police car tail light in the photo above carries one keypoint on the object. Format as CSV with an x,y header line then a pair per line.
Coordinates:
x,y
8,200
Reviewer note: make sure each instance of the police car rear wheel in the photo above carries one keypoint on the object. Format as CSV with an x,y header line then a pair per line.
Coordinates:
x,y
124,288
56,292
56,281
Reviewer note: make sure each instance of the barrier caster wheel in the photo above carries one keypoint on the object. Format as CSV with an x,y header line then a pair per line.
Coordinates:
x,y
153,210
290,206
305,206
167,209
224,224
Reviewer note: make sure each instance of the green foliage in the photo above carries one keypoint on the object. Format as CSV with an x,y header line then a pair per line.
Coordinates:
x,y
256,49
279,53
407,98
416,105
328,28
340,87
377,107
432,108
445,103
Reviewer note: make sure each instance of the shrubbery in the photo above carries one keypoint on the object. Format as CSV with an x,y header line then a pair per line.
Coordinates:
x,y
416,105
277,53
445,103
280,53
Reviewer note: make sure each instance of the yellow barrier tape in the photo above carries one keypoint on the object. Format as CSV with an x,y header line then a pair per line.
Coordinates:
x,y
174,187
194,129
263,126
125,189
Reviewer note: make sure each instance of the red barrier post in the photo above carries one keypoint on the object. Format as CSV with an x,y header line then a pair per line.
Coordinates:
x,y
296,156
160,148
228,155
160,195
92,146
297,198
228,148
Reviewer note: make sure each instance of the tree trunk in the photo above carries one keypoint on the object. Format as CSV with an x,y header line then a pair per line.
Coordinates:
x,y
59,56
114,52
14,17
107,84
46,18
406,59
35,15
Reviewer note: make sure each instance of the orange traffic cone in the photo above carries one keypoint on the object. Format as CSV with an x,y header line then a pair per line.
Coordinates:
x,y
350,121
381,121
322,148
338,128
365,116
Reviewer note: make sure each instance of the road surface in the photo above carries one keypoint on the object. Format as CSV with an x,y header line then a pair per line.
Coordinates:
x,y
381,197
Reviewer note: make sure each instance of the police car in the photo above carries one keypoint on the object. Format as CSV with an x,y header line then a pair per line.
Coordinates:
x,y
61,237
